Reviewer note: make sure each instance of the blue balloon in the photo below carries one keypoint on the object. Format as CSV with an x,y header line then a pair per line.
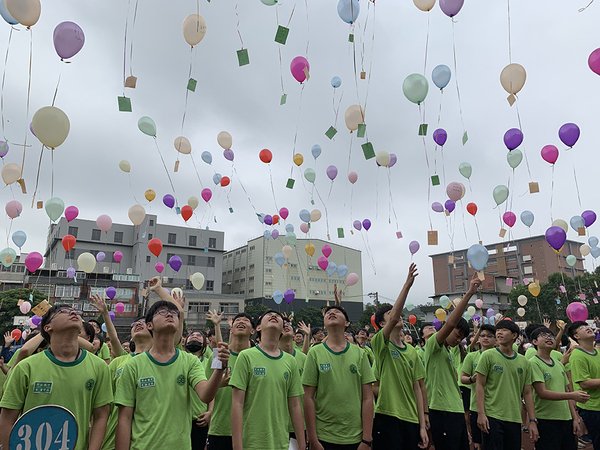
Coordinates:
x,y
331,269
278,297
441,76
478,256
104,327
316,151
261,217
6,15
577,222
593,241
595,251
19,237
486,320
206,157
527,218
305,215
217,178
492,320
267,234
289,228
336,82
342,271
348,10
280,259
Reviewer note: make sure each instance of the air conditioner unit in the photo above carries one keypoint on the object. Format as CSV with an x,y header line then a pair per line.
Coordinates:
x,y
105,269
165,279
129,271
317,292
54,266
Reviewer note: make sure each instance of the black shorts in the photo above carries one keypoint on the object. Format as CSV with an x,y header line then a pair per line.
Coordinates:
x,y
391,433
465,392
556,435
448,430
330,446
475,431
503,435
198,436
219,443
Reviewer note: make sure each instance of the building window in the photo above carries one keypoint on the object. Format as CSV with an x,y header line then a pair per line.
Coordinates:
x,y
118,237
172,239
251,291
229,308
69,291
243,268
237,281
243,250
210,285
237,253
242,291
70,254
224,273
251,266
198,307
237,270
293,265
242,280
95,235
268,283
212,242
148,259
169,256
150,236
192,241
211,261
252,247
73,231
268,270
251,279
230,255
191,260
151,222
229,272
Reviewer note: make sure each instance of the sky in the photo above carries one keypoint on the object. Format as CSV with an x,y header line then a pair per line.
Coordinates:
x,y
393,39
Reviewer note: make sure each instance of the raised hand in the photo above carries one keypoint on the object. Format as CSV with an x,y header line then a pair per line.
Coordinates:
x,y
304,328
474,284
8,339
178,298
98,303
337,295
154,284
546,322
412,274
214,317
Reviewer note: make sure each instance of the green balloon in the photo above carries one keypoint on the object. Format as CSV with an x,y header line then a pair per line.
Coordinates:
x,y
571,259
444,301
415,88
514,158
54,208
500,194
465,170
269,2
147,126
310,175
290,238
5,259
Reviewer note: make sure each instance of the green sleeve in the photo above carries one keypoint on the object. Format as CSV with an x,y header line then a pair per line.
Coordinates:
x,y
378,344
483,367
13,358
528,374
366,370
15,389
126,389
103,393
310,377
104,352
580,369
196,373
536,374
467,366
295,385
419,372
241,373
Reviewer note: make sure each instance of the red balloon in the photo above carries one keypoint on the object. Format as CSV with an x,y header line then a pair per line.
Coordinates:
x,y
275,219
412,319
472,208
155,246
186,213
265,156
68,242
225,181
16,334
373,322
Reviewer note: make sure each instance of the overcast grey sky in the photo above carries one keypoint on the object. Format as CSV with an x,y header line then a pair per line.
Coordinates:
x,y
550,38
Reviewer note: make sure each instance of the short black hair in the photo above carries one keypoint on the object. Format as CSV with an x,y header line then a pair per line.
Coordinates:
x,y
210,333
89,330
299,331
529,329
488,327
339,308
508,325
100,338
46,318
161,304
246,315
94,321
573,328
463,327
314,331
539,331
258,333
380,313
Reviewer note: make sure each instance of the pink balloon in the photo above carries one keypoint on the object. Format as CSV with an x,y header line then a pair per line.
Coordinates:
x,y
550,154
104,222
326,250
323,262
284,213
352,177
118,256
352,279
454,191
509,218
159,267
33,261
304,227
119,307
206,194
299,63
594,61
577,311
71,213
14,209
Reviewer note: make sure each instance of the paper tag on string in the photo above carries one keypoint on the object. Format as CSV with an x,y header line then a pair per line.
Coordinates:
x,y
511,99
450,259
526,281
328,237
130,82
243,59
368,150
306,74
596,284
432,238
435,180
362,128
231,210
20,302
351,38
502,232
144,292
465,138
595,300
341,233
290,183
331,132
509,282
281,35
176,166
468,265
312,202
191,86
480,275
21,182
399,234
480,242
581,296
447,212
352,232
178,211
363,75
558,301
40,205
307,299
216,364
283,100
9,260
537,281
581,231
534,187
42,308
423,129
124,104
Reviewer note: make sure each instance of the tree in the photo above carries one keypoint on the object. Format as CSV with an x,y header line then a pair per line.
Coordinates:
x,y
368,312
309,315
256,311
9,308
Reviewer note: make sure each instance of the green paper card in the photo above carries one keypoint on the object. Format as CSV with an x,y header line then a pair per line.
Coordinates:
x,y
423,129
331,132
282,35
283,99
290,183
124,104
362,128
465,138
435,180
340,233
231,209
368,150
312,202
192,85
351,38
243,59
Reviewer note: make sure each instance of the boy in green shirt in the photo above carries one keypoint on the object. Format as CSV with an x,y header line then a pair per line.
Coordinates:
x,y
585,370
503,376
63,375
338,391
266,390
399,414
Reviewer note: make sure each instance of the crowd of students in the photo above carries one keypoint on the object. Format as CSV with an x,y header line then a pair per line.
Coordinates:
x,y
275,388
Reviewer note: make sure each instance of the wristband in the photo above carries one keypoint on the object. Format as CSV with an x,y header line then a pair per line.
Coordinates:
x,y
533,420
369,443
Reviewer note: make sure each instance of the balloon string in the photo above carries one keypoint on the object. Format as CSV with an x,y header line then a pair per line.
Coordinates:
x,y
165,166
336,111
272,188
552,195
586,7
57,85
238,25
325,206
422,117
37,178
392,198
369,252
426,47
131,40
575,178
456,79
509,39
28,97
371,63
3,80
187,93
130,185
297,126
462,210
195,170
52,167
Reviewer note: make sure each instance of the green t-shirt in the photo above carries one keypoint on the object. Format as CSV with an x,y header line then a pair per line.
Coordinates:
x,y
421,354
300,361
268,382
443,393
398,368
161,399
338,377
198,406
586,366
220,419
80,386
115,369
13,359
506,378
457,363
370,354
469,365
555,378
104,352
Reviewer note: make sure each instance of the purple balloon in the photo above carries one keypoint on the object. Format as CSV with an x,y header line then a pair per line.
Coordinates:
x,y
111,292
440,136
112,316
393,160
451,7
489,312
357,225
437,323
332,172
100,256
70,272
569,134
268,220
513,138
228,154
36,320
414,247
289,296
366,224
275,234
175,263
450,205
556,237
169,201
589,217
437,207
68,39
476,317
3,149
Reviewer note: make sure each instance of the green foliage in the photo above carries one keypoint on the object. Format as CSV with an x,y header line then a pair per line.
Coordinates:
x,y
369,310
309,315
9,308
256,310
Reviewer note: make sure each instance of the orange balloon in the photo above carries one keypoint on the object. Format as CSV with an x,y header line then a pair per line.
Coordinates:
x,y
16,334
68,242
265,156
275,219
225,181
155,246
373,322
186,213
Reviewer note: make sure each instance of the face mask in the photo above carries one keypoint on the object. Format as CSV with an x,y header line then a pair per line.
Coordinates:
x,y
194,346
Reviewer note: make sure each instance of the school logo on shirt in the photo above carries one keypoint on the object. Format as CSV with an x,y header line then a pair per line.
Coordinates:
x,y
326,367
89,384
395,354
118,373
353,368
260,371
181,380
519,370
498,368
547,376
410,363
42,387
147,382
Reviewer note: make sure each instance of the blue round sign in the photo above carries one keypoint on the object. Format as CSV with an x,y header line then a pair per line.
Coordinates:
x,y
47,427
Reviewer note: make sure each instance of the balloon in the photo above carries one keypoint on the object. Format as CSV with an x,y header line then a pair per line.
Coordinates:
x,y
577,312
26,12
450,205
437,324
70,272
332,172
534,289
366,224
111,291
54,208
412,319
100,256
225,140
304,215
352,177
86,262
289,296
280,259
471,310
206,157
464,190
300,68
284,213
183,145
287,251
514,158
198,280
577,222
155,246
342,271
310,249
119,307
137,213
267,235
186,212
437,207
521,312
147,126
193,29
383,158
13,209
472,208
104,222
310,175
527,218
415,88
68,242
513,78
513,138
351,279
393,160
291,238
500,194
584,250
3,144
562,224
34,261
357,224
206,194
413,247
556,237
315,215
11,172
289,228
278,297
479,303
36,320
465,170
441,76
424,5
348,10
331,269
509,218
275,234
569,134
316,151
444,301
354,116
326,250
522,300
593,241
265,156
304,227
594,61
440,136
298,159
336,82
6,15
51,126
150,195
451,7
440,314
550,154
454,191
19,238
268,220
159,267
478,256
25,307
175,263
7,257
571,260
490,312
589,217
118,256
68,39
71,213
16,334
228,154
595,251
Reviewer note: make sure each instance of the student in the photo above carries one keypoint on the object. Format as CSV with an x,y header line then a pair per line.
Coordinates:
x,y
153,394
266,390
298,339
317,335
487,341
446,413
503,377
585,370
63,375
558,422
338,392
115,345
103,352
399,414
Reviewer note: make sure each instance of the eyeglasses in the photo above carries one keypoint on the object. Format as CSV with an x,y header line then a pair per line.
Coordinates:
x,y
487,336
584,327
166,312
139,322
287,324
62,311
546,336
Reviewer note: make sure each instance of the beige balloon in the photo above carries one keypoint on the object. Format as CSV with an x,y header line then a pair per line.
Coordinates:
x,y
521,311
522,300
125,166
287,251
198,280
471,310
11,172
584,250
354,116
182,145
315,215
561,223
193,202
86,262
137,213
26,12
224,139
383,158
464,190
513,78
51,126
424,5
194,29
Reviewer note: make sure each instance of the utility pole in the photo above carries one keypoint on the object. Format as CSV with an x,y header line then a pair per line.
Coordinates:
x,y
374,296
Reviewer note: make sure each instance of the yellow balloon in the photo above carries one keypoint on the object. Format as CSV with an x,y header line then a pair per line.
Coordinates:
x,y
194,29
26,12
182,145
287,251
440,314
11,172
198,280
561,223
513,78
310,249
224,139
315,215
534,289
298,159
383,158
125,166
424,5
193,202
137,213
86,262
354,116
51,126
150,195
